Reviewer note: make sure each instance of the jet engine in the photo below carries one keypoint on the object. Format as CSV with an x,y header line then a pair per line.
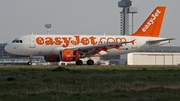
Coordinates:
x,y
69,55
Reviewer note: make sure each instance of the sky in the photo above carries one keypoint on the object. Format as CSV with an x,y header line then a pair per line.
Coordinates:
x,y
23,17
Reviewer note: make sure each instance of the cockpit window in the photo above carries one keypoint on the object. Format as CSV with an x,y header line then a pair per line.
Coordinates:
x,y
13,41
17,41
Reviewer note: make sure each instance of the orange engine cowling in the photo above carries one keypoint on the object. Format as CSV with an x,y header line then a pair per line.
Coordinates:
x,y
69,55
51,58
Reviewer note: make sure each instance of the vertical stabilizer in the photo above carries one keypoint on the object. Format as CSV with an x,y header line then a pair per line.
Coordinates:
x,y
152,25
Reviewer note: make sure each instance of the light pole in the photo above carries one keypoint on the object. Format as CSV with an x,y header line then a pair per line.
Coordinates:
x,y
48,26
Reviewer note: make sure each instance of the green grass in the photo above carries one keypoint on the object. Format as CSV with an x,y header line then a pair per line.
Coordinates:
x,y
90,83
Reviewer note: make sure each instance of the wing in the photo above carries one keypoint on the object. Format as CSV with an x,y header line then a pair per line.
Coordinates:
x,y
87,51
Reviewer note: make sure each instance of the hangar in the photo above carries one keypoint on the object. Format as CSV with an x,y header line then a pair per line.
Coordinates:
x,y
165,55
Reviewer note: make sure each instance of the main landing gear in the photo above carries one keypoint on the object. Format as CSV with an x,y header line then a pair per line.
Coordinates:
x,y
89,62
79,62
30,61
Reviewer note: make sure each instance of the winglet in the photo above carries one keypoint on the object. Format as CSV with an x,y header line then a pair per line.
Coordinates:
x,y
132,41
152,25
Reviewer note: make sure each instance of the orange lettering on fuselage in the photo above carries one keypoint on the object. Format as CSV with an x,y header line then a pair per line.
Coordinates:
x,y
85,41
101,40
49,41
57,41
92,38
40,41
77,40
66,41
110,39
121,40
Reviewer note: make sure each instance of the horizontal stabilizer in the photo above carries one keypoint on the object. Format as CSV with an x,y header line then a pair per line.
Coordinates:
x,y
156,41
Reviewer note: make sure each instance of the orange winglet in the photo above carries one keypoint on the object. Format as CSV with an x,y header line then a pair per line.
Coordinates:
x,y
152,26
132,41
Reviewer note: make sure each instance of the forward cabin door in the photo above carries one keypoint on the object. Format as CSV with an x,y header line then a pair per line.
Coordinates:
x,y
31,42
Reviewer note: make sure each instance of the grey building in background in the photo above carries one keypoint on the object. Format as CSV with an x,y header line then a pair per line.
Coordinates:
x,y
124,16
164,55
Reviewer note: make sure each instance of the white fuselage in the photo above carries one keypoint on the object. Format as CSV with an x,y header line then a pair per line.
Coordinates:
x,y
42,45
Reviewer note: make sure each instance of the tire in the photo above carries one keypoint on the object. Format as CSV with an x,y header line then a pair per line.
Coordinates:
x,y
30,63
79,62
90,62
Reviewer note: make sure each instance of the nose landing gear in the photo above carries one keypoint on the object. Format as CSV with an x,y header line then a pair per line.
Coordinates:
x,y
30,61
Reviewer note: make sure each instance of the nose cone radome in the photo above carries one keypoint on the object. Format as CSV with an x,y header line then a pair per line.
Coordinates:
x,y
7,48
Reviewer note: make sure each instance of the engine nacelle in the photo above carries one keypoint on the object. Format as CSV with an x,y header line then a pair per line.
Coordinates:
x,y
69,55
51,58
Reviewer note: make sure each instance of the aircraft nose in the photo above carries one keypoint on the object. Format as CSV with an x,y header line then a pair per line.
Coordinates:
x,y
7,48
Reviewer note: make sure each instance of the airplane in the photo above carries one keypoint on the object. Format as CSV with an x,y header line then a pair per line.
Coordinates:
x,y
56,48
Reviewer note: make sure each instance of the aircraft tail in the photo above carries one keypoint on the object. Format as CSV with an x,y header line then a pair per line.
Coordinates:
x,y
152,25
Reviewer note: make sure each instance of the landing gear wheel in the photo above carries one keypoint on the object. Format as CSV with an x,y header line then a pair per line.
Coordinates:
x,y
79,62
90,62
30,63
30,60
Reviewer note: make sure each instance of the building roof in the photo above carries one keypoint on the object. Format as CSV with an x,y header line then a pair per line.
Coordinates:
x,y
163,49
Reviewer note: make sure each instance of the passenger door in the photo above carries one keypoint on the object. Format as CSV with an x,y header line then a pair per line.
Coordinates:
x,y
31,42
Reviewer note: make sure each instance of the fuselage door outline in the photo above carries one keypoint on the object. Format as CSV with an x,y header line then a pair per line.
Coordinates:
x,y
31,42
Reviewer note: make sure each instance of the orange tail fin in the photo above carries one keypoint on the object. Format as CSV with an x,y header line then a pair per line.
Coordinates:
x,y
152,25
